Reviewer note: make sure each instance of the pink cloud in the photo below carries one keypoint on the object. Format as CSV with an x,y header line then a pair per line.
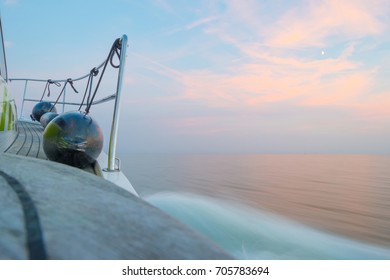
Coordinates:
x,y
320,20
264,75
310,23
339,91
309,83
301,82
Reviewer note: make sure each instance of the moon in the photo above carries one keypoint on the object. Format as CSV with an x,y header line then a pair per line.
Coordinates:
x,y
322,52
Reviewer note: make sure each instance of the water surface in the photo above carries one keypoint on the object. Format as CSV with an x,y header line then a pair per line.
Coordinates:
x,y
275,206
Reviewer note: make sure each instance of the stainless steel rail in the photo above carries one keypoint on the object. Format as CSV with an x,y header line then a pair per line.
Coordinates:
x,y
103,100
115,117
26,80
116,113
3,61
57,81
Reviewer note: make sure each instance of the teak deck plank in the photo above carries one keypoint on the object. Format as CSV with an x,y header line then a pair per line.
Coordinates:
x,y
28,141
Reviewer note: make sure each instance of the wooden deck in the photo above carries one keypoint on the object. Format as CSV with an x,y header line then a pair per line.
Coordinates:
x,y
53,211
27,141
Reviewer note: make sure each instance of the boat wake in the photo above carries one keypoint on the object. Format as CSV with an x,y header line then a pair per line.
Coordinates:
x,y
248,233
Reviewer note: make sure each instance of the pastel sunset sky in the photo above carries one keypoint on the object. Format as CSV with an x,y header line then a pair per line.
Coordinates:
x,y
231,76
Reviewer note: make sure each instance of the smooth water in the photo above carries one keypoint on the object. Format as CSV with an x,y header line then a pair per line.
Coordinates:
x,y
274,206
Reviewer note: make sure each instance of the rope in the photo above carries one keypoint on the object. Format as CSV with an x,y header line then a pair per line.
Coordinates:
x,y
47,87
71,84
93,73
62,91
114,50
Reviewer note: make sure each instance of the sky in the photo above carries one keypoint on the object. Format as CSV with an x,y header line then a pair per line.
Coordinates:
x,y
231,76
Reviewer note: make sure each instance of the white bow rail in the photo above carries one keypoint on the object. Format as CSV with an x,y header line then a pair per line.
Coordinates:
x,y
117,95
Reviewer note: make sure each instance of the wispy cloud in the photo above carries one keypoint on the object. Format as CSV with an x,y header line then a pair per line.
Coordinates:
x,y
263,77
195,24
318,21
164,5
159,67
11,2
201,22
272,67
7,44
275,65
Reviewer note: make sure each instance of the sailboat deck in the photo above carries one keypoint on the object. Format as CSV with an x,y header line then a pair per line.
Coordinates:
x,y
27,141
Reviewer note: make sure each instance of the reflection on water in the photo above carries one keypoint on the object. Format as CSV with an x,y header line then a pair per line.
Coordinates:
x,y
347,195
247,233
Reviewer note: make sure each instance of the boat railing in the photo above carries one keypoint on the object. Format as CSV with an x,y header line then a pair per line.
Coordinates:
x,y
3,61
112,167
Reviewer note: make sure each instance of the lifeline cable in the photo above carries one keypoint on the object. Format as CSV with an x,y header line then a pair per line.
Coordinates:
x,y
93,73
114,50
62,91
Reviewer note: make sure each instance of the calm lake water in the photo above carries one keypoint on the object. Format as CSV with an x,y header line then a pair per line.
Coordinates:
x,y
274,206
